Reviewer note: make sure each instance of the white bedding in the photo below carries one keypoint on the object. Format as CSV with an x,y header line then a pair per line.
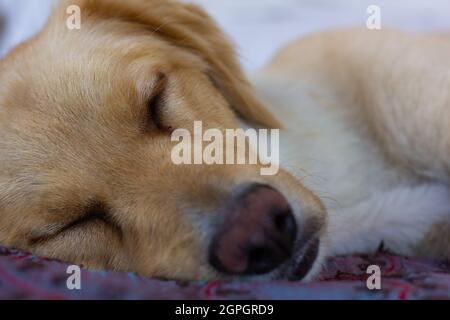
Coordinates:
x,y
260,27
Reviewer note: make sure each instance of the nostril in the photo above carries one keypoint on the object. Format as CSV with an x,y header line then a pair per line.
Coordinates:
x,y
280,222
285,222
257,260
264,259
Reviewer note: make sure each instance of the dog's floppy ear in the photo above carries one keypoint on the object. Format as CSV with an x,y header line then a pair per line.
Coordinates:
x,y
211,44
189,27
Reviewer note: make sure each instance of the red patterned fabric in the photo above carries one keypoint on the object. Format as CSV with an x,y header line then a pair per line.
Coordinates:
x,y
24,276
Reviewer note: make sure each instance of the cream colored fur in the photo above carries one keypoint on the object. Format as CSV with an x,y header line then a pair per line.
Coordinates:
x,y
368,117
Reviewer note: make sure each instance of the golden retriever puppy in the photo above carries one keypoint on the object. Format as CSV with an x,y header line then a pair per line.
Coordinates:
x,y
86,119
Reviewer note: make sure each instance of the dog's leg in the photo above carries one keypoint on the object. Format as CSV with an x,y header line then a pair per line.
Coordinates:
x,y
402,85
401,220
398,84
395,87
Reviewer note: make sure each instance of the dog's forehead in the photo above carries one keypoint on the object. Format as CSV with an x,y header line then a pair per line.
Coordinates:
x,y
42,75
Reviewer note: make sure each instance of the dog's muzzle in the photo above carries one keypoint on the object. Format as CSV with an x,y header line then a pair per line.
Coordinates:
x,y
258,235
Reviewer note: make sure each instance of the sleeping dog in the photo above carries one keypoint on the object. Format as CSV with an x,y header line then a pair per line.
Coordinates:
x,y
86,118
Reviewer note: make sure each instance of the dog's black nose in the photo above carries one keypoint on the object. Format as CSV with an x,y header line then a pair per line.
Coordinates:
x,y
257,235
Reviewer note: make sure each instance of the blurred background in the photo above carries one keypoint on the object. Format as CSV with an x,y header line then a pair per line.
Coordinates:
x,y
259,27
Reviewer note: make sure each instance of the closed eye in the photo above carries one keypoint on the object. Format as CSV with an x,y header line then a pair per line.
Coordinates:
x,y
213,81
95,212
155,105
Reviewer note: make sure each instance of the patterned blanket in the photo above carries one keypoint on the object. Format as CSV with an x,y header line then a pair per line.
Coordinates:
x,y
24,276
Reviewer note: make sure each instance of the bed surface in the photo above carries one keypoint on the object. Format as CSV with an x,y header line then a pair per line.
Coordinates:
x,y
25,276
260,27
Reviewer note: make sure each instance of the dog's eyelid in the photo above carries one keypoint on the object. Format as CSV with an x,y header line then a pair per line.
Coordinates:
x,y
216,84
95,211
155,103
213,80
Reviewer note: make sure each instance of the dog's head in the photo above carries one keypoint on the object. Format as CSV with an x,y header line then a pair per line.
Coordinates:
x,y
86,174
